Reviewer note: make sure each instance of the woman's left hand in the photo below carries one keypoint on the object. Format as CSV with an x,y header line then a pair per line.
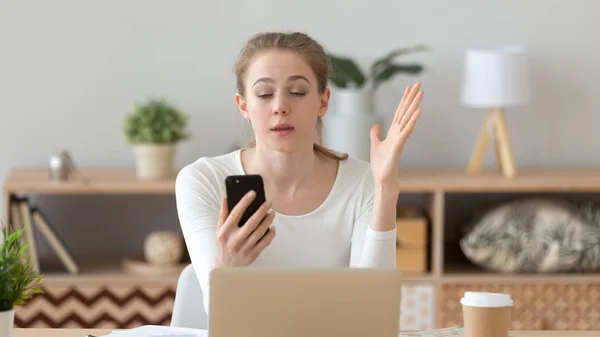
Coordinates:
x,y
385,154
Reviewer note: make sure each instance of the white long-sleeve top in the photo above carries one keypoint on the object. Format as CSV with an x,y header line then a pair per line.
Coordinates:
x,y
336,234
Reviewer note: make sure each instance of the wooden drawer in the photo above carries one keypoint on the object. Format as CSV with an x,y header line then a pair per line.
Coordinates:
x,y
411,228
411,241
411,260
540,306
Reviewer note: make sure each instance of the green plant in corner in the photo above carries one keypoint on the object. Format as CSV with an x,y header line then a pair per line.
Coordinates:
x,y
155,121
18,280
347,74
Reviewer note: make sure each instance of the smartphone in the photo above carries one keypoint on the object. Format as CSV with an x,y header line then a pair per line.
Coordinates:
x,y
237,186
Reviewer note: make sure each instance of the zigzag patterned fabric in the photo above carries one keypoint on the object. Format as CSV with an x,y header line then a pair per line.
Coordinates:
x,y
80,306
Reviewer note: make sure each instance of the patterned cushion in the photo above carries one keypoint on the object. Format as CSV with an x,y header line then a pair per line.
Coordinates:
x,y
535,235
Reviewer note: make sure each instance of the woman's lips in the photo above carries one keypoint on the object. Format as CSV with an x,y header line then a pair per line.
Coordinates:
x,y
282,129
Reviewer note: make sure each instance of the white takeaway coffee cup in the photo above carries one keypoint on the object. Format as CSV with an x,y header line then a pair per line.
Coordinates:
x,y
486,314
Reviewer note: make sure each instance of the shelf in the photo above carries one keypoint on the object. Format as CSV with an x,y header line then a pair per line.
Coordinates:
x,y
99,271
469,274
109,270
86,181
526,180
407,277
415,180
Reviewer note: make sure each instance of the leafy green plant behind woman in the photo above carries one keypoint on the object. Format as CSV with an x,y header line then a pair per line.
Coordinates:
x,y
347,74
155,121
18,280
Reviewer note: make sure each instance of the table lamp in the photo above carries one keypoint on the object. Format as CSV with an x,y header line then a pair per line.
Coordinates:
x,y
495,78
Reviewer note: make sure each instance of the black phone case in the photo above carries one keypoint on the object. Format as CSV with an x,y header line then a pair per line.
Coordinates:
x,y
237,186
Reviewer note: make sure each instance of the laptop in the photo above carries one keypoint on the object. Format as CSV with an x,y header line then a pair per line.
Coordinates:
x,y
266,302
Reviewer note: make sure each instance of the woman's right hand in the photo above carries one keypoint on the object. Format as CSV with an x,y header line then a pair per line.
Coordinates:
x,y
240,246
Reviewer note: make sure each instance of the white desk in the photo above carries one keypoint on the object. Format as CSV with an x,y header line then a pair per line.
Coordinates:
x,y
20,332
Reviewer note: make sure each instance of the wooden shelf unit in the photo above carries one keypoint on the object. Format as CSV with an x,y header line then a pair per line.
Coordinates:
x,y
95,270
461,273
435,185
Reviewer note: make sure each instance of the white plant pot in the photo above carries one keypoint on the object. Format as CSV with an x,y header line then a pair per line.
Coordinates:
x,y
7,320
353,102
346,128
154,161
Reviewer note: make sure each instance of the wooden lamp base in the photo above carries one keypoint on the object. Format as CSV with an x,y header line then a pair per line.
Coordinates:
x,y
494,123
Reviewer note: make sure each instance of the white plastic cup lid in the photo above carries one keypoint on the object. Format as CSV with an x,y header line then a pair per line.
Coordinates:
x,y
485,299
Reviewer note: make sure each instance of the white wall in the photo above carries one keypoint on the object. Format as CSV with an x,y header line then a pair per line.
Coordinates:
x,y
70,70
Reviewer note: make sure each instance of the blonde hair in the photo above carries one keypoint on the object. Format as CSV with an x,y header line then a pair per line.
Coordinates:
x,y
302,44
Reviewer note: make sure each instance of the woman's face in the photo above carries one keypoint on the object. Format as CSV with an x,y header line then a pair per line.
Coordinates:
x,y
282,101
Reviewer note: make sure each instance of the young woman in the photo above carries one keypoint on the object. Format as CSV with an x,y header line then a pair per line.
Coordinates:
x,y
323,209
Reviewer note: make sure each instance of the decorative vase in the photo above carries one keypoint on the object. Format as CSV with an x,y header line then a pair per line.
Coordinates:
x,y
163,248
7,320
347,128
155,161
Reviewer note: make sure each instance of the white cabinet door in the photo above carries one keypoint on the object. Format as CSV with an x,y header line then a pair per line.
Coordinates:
x,y
417,307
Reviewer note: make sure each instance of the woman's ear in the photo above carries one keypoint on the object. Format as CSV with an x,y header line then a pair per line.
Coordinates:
x,y
324,104
241,102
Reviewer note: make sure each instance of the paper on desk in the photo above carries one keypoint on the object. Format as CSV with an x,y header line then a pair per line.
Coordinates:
x,y
455,331
167,331
158,331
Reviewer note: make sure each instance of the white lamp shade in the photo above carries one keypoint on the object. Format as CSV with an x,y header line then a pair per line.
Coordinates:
x,y
495,77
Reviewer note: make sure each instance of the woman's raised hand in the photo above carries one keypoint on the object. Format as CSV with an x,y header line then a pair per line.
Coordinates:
x,y
385,154
240,246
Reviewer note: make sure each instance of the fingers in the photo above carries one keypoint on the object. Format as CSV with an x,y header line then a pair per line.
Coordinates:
x,y
413,107
259,232
375,134
238,210
399,110
242,245
263,243
253,222
411,124
223,213
407,103
407,100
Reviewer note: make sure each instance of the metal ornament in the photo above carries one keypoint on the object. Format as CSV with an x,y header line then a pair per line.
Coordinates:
x,y
61,166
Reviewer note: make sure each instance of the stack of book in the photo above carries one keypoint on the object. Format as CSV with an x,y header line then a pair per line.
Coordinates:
x,y
25,216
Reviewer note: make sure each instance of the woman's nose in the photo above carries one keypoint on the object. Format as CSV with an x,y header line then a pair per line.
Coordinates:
x,y
280,105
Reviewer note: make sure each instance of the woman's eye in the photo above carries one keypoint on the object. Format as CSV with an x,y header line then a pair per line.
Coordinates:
x,y
264,95
298,93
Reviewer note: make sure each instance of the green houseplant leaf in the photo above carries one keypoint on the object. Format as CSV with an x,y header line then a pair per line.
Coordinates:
x,y
389,57
345,72
387,72
155,121
18,280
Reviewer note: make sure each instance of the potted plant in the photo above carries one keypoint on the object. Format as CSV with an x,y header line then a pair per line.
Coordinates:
x,y
356,87
18,280
353,98
154,128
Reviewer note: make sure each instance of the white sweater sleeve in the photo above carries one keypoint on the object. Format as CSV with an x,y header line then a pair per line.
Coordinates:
x,y
371,248
198,204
